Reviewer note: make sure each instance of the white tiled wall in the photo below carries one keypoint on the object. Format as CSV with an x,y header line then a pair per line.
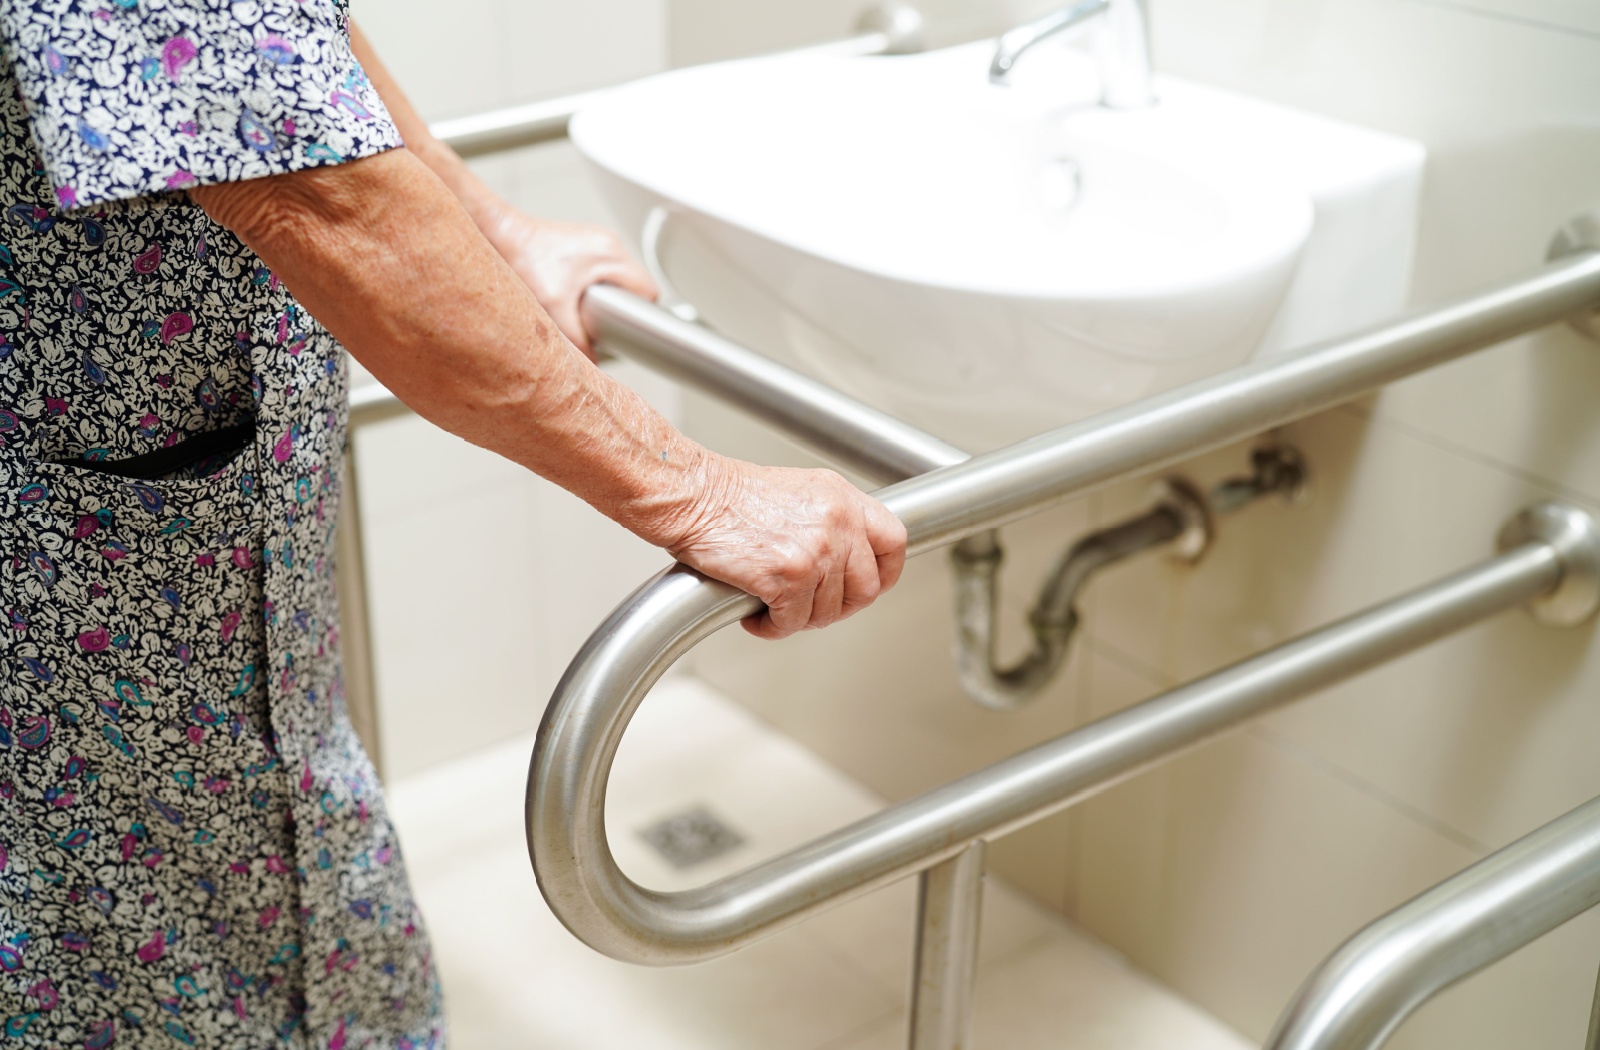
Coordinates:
x,y
483,578
1233,872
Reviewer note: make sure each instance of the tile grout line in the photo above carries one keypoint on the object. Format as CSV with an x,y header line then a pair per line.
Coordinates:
x,y
1334,771
1398,426
1474,11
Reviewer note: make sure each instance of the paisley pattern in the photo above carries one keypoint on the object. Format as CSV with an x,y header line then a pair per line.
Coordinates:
x,y
193,847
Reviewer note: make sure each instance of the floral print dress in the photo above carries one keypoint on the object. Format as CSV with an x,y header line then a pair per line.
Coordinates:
x,y
193,848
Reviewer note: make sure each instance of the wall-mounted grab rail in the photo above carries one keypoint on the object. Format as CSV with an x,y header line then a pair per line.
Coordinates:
x,y
837,427
1366,990
944,829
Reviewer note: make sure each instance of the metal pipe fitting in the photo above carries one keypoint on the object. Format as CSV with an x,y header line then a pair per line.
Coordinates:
x,y
1579,236
1182,521
1054,620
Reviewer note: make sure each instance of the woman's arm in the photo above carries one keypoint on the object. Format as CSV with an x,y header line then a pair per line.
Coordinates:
x,y
384,255
558,260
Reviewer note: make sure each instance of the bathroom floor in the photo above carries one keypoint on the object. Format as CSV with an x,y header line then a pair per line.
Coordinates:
x,y
515,978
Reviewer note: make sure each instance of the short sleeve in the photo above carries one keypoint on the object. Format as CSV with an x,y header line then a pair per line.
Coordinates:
x,y
129,98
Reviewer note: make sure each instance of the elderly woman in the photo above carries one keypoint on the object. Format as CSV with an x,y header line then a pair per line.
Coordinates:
x,y
206,202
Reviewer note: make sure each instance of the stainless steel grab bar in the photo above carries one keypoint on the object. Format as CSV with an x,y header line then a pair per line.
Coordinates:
x,y
837,427
1370,986
1552,550
941,834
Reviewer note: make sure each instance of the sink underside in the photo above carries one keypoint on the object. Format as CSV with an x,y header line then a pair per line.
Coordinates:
x,y
986,262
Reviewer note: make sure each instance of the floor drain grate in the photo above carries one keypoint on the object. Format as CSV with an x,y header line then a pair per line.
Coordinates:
x,y
691,838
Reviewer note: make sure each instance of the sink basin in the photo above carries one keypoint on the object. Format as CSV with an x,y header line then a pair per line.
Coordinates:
x,y
991,262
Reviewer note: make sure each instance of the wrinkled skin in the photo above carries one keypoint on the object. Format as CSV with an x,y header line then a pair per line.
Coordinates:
x,y
562,260
488,342
803,541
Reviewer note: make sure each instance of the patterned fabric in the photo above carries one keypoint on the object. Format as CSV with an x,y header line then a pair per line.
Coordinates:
x,y
193,848
135,97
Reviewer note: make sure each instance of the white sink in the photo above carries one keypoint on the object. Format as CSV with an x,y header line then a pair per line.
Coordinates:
x,y
991,262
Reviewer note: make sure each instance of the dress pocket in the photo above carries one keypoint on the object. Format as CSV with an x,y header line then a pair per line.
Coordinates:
x,y
202,488
198,457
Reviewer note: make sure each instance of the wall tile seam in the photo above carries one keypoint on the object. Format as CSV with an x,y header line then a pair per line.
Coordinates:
x,y
862,974
1405,429
1333,770
1470,11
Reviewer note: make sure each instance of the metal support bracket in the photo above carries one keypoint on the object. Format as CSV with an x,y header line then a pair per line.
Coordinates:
x,y
1576,538
1581,235
903,27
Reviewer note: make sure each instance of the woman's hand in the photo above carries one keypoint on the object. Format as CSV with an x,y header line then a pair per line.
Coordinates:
x,y
812,546
560,261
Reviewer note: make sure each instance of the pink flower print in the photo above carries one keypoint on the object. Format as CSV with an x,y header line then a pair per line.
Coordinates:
x,y
55,406
205,561
269,916
284,447
240,867
95,641
181,180
242,558
289,127
217,785
276,865
189,128
175,54
176,326
306,781
87,526
154,949
337,1042
67,197
148,424
230,624
196,735
277,50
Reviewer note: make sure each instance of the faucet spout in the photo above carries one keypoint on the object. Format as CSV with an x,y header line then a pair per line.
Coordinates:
x,y
1024,38
1123,45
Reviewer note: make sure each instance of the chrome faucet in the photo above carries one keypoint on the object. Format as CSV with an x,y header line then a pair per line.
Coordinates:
x,y
1123,46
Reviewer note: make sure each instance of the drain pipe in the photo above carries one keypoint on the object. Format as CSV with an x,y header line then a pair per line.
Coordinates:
x,y
1181,521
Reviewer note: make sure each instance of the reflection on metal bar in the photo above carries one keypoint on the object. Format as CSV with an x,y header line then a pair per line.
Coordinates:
x,y
949,917
507,129
838,428
1366,990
